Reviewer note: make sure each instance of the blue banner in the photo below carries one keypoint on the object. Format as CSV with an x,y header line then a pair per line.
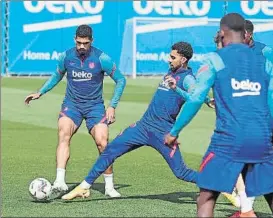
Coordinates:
x,y
136,34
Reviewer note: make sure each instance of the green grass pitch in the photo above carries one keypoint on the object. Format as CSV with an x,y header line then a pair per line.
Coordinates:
x,y
147,185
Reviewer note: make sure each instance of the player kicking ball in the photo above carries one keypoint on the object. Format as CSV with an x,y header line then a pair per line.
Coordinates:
x,y
150,130
84,66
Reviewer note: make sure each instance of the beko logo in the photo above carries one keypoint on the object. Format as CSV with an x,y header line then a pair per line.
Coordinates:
x,y
245,88
197,8
92,11
255,7
81,76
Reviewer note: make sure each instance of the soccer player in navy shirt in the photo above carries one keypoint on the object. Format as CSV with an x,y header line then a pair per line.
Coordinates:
x,y
242,83
154,124
84,66
259,49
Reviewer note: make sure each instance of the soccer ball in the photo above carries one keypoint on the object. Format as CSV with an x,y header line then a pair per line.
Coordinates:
x,y
40,189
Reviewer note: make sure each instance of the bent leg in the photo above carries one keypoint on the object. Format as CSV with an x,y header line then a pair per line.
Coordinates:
x,y
69,120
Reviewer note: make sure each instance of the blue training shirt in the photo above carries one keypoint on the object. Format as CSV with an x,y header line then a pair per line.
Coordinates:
x,y
85,77
242,83
262,49
166,102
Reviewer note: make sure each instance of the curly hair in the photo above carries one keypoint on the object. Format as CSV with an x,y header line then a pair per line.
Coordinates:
x,y
183,48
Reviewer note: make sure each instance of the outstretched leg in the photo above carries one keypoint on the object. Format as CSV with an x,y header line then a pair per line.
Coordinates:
x,y
132,138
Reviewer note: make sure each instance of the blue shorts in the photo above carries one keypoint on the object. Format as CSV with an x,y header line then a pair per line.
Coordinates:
x,y
218,173
76,112
136,136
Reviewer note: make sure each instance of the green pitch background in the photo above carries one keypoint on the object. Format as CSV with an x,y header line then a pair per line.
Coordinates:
x,y
147,185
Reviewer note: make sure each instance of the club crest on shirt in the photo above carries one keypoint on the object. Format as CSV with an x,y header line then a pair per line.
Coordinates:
x,y
91,65
71,63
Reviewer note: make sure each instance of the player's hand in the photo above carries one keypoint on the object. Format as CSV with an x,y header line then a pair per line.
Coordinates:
x,y
171,81
170,141
211,103
110,115
31,97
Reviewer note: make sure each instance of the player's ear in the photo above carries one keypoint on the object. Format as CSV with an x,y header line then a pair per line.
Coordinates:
x,y
183,60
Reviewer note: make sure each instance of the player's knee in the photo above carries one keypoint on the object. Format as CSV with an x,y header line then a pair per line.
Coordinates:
x,y
66,129
64,137
102,143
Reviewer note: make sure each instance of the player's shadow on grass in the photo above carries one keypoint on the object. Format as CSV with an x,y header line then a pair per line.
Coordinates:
x,y
100,187
174,197
232,211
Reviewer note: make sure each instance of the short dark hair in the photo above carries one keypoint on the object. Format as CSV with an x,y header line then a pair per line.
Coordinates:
x,y
249,27
84,31
184,49
234,22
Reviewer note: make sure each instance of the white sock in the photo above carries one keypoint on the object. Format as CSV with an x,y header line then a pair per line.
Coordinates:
x,y
60,177
246,203
252,199
108,179
85,185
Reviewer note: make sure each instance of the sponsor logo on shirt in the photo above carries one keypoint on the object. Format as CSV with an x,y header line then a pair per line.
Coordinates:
x,y
245,88
81,76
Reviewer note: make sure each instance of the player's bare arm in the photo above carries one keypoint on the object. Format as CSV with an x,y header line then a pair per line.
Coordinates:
x,y
110,69
51,82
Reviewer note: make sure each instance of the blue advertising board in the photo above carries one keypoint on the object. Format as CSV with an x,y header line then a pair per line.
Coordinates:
x,y
136,34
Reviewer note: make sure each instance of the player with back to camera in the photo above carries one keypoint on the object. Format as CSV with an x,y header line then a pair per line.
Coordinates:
x,y
260,49
84,66
242,83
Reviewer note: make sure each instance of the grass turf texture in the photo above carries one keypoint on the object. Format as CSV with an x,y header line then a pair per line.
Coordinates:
x,y
147,185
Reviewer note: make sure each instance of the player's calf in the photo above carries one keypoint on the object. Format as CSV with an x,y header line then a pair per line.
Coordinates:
x,y
206,202
100,135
